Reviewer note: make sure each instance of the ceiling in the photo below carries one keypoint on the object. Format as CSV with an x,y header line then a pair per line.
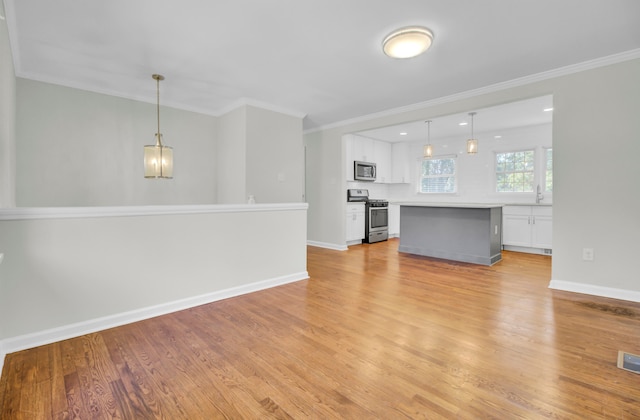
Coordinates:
x,y
321,59
534,111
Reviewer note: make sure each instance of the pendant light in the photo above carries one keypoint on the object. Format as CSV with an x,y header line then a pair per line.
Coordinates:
x,y
428,148
472,143
158,159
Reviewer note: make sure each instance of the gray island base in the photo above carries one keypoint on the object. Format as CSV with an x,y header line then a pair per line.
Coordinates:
x,y
460,232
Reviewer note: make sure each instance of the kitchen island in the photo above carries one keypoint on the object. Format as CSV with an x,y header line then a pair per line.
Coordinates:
x,y
455,231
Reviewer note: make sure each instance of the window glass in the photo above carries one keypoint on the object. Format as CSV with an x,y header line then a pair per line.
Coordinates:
x,y
515,171
438,176
548,170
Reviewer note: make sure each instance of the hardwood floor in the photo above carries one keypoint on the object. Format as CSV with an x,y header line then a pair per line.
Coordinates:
x,y
372,334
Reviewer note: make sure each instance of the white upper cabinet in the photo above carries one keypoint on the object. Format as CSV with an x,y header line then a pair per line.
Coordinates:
x,y
364,149
382,159
399,163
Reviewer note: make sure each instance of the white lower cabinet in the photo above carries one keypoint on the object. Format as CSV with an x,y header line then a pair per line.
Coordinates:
x,y
394,220
355,222
527,226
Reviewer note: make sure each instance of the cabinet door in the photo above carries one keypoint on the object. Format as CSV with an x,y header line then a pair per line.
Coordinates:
x,y
355,222
382,159
541,236
400,163
362,149
516,230
394,220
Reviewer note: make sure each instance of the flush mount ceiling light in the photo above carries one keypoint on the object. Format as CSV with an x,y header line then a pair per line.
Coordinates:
x,y
158,159
407,42
472,143
428,148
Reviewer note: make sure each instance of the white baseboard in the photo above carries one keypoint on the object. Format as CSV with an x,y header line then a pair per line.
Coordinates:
x,y
327,245
27,341
590,289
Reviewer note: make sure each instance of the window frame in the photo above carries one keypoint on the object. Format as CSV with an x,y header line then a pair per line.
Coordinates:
x,y
454,159
545,169
534,171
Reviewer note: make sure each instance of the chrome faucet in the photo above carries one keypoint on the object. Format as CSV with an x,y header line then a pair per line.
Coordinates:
x,y
539,196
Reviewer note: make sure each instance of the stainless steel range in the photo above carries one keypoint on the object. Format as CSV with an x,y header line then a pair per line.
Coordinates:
x,y
376,216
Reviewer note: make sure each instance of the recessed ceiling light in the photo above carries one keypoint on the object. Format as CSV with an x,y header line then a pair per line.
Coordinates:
x,y
548,109
403,133
463,123
497,137
407,42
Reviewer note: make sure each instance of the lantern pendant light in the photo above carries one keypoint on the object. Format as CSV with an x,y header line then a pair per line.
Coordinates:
x,y
472,143
158,159
428,148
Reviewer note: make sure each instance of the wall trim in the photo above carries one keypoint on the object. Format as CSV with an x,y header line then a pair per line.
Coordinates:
x,y
327,245
591,289
27,341
28,213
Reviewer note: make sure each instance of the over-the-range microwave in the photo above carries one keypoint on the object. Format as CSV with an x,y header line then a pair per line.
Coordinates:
x,y
364,171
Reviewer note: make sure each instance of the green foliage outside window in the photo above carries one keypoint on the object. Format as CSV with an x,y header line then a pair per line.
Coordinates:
x,y
438,176
515,171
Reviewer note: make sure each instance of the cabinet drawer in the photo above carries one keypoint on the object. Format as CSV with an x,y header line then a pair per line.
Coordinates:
x,y
542,211
355,208
517,210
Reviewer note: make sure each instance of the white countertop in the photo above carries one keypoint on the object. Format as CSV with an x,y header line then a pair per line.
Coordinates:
x,y
450,205
529,204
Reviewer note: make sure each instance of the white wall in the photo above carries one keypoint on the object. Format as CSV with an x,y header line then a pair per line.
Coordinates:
x,y
260,153
7,121
595,194
275,156
78,148
232,157
70,270
475,173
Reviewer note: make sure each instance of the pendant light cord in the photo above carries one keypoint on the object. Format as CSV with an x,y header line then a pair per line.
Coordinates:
x,y
157,78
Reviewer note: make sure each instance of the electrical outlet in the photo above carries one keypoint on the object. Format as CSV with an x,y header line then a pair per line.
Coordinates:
x,y
587,254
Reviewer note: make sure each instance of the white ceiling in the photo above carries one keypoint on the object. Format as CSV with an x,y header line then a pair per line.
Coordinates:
x,y
494,119
322,59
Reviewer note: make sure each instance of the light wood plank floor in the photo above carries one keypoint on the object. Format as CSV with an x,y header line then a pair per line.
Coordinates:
x,y
372,334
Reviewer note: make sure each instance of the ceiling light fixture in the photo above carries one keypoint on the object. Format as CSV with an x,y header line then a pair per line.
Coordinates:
x,y
427,150
472,143
158,159
407,42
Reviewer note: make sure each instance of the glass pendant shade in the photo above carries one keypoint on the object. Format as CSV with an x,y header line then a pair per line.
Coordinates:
x,y
472,146
158,160
427,151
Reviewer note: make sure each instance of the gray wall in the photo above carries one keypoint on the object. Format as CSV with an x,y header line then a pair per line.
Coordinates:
x,y
275,156
7,120
231,159
596,200
78,148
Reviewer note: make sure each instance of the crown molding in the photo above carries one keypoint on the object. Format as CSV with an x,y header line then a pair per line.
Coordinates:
x,y
521,81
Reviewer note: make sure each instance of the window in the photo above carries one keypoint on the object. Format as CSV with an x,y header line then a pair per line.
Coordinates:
x,y
548,170
515,171
438,176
